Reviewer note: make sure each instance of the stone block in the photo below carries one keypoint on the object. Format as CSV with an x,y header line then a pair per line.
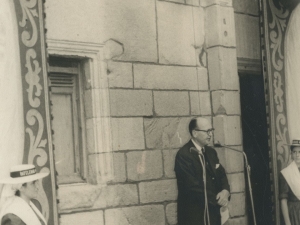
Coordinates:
x,y
127,133
112,49
158,191
117,196
169,162
246,7
99,128
131,102
227,129
88,106
247,36
77,196
137,215
237,205
90,138
79,20
107,167
206,3
200,103
119,167
171,103
169,77
226,102
222,67
238,221
202,79
236,182
88,218
100,168
131,23
166,133
171,213
120,74
177,41
144,165
232,161
220,26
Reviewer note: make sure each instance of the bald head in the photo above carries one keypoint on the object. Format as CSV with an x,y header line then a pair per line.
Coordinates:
x,y
198,122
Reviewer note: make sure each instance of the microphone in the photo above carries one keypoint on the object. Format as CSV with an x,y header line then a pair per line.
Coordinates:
x,y
195,150
248,170
217,144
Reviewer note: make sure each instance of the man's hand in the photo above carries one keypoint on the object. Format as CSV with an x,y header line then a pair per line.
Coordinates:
x,y
222,197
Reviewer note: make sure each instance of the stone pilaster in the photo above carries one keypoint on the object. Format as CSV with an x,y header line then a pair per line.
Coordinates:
x,y
224,87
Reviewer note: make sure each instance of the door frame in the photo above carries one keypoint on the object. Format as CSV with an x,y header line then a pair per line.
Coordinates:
x,y
274,20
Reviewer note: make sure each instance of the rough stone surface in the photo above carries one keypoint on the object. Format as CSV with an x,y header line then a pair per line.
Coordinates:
x,y
112,49
88,218
237,182
171,103
158,191
247,36
137,215
169,162
220,27
246,7
120,74
132,23
222,66
127,133
171,213
228,130
131,103
237,205
166,132
200,103
116,196
77,196
144,165
168,77
206,3
231,160
238,221
177,40
107,167
226,102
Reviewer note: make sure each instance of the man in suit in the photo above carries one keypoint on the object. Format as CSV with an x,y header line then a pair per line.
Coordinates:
x,y
202,183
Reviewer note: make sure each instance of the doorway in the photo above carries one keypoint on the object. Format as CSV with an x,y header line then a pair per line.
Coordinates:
x,y
255,144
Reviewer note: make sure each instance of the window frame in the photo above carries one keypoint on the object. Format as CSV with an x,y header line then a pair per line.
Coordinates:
x,y
78,117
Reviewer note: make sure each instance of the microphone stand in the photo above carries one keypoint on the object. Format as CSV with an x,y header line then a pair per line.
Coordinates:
x,y
248,169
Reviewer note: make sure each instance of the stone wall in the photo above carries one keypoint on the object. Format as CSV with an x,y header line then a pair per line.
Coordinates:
x,y
166,62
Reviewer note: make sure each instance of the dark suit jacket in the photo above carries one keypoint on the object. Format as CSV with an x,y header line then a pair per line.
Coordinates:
x,y
189,174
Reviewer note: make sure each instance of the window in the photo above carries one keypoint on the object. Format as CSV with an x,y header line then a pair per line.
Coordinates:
x,y
65,81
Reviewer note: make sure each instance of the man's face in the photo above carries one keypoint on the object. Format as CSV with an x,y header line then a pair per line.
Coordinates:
x,y
200,134
296,154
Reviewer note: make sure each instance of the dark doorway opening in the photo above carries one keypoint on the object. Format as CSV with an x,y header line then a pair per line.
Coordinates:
x,y
255,144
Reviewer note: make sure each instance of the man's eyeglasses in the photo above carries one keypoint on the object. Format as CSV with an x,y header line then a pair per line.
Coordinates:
x,y
209,131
